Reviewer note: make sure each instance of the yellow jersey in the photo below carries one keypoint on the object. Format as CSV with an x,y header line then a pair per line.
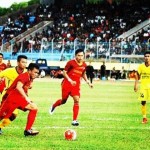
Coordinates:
x,y
10,74
144,73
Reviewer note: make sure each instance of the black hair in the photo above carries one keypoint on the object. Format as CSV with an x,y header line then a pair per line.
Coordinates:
x,y
32,66
147,52
78,51
20,57
1,54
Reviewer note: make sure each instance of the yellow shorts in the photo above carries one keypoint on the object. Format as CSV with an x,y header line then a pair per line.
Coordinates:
x,y
144,95
16,111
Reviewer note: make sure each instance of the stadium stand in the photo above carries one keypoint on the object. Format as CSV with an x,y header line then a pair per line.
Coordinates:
x,y
93,27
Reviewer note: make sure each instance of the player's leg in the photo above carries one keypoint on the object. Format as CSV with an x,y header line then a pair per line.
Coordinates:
x,y
6,110
65,95
143,109
143,96
5,122
58,103
14,115
75,110
75,93
32,108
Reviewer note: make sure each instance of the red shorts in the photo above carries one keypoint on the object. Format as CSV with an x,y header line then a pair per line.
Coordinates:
x,y
68,89
12,102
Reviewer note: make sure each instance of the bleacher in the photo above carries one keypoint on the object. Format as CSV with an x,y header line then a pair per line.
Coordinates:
x,y
57,39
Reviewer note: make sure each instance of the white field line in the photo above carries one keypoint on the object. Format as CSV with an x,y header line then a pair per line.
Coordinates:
x,y
116,119
86,127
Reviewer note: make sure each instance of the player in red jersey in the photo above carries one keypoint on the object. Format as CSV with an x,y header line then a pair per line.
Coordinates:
x,y
17,97
3,66
73,72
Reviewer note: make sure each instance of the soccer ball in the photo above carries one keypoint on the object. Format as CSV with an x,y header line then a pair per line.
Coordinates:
x,y
70,134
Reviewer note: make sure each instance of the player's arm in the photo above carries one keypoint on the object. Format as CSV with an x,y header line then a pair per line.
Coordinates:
x,y
84,76
137,77
68,78
19,87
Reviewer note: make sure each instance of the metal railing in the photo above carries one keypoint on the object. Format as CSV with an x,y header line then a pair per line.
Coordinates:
x,y
62,50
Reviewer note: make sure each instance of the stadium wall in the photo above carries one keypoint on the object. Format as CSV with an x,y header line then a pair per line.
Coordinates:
x,y
96,65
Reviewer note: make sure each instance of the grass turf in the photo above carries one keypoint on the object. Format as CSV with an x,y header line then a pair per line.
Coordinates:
x,y
110,119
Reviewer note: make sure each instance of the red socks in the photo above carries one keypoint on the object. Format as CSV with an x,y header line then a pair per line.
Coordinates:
x,y
30,119
57,103
75,111
75,108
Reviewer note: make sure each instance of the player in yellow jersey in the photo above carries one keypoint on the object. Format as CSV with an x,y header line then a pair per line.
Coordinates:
x,y
10,75
143,73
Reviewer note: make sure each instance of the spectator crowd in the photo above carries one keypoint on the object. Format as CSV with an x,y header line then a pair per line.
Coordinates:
x,y
82,24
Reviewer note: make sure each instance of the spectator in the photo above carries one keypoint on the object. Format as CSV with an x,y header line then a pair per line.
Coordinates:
x,y
90,72
123,73
103,71
114,73
42,74
8,64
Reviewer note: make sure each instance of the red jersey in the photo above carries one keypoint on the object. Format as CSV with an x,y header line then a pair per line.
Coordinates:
x,y
74,70
3,67
24,78
2,82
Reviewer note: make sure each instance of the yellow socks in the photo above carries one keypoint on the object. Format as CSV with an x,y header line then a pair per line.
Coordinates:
x,y
143,111
5,122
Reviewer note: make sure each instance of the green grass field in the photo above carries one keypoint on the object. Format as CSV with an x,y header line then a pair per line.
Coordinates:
x,y
110,119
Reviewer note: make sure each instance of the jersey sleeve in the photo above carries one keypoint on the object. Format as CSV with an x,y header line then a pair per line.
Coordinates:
x,y
68,66
23,78
139,70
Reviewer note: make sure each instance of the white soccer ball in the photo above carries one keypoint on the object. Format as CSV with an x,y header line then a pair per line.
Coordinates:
x,y
70,134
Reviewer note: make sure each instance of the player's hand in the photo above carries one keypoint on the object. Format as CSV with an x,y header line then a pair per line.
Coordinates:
x,y
30,87
73,83
27,99
90,85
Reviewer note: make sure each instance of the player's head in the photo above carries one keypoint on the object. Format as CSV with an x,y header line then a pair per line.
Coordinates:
x,y
22,61
79,51
147,57
79,55
33,70
1,57
147,52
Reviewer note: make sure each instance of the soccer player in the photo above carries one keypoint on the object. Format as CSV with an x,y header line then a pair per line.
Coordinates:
x,y
143,73
73,72
17,97
10,75
3,66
